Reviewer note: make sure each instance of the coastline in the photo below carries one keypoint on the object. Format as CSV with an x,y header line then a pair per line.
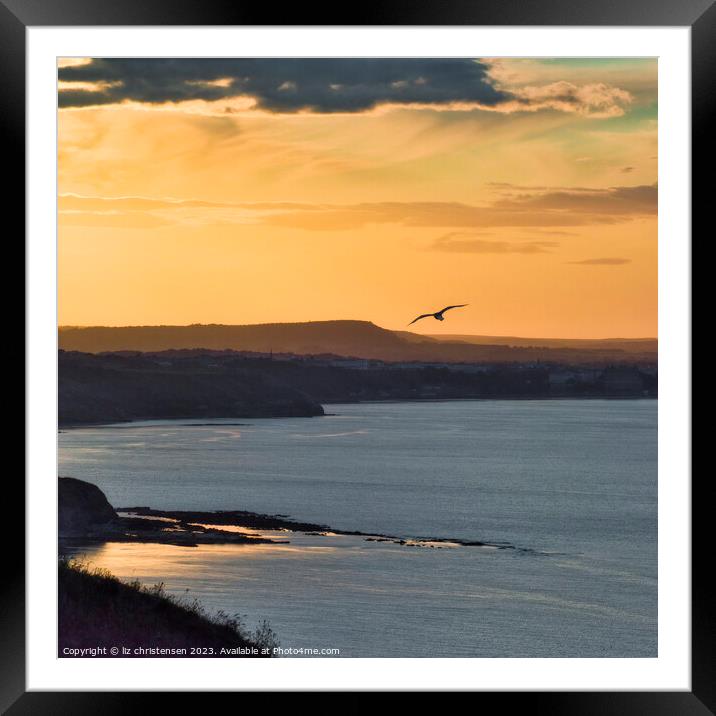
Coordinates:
x,y
116,388
189,528
259,521
61,426
497,398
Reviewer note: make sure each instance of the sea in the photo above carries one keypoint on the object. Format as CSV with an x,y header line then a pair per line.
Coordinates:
x,y
562,492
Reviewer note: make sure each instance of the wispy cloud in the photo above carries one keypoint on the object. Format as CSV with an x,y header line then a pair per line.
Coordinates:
x,y
467,243
528,209
543,208
114,219
552,232
597,100
614,201
609,261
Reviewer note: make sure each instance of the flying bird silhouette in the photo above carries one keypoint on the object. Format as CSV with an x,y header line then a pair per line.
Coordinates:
x,y
438,316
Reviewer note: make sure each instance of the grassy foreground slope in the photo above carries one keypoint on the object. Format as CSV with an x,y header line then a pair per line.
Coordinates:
x,y
98,611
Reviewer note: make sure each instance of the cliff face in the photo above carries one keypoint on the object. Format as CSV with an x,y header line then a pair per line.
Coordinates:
x,y
113,389
82,507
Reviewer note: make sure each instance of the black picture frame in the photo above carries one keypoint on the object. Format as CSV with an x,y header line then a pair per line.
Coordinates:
x,y
699,15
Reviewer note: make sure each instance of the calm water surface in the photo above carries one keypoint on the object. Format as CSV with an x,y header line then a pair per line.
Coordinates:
x,y
571,485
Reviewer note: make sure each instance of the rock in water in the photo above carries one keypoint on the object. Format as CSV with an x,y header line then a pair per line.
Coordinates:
x,y
82,507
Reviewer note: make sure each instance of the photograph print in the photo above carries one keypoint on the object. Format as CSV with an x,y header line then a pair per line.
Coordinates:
x,y
357,357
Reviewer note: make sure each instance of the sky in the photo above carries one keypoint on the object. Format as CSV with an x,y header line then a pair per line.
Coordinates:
x,y
277,190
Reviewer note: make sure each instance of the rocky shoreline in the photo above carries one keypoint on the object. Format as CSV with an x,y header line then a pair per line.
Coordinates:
x,y
87,517
215,520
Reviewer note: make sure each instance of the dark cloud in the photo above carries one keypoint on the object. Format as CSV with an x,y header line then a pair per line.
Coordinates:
x,y
602,262
283,85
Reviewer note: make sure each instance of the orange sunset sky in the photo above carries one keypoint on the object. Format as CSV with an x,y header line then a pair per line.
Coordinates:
x,y
252,191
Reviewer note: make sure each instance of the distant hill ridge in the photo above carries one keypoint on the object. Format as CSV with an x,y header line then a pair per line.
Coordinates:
x,y
361,339
629,345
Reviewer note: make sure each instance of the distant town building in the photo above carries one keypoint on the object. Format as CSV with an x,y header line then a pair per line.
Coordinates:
x,y
354,363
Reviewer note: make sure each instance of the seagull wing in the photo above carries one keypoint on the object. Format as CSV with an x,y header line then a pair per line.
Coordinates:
x,y
425,315
447,308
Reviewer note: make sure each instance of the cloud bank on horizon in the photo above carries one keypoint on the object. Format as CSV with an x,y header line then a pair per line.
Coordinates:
x,y
325,86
